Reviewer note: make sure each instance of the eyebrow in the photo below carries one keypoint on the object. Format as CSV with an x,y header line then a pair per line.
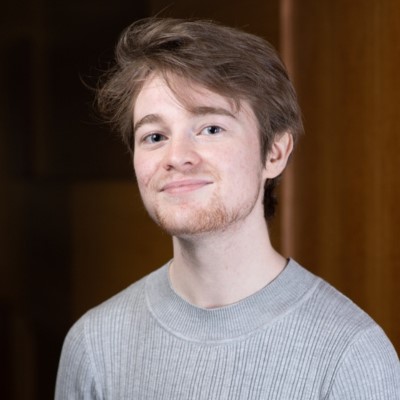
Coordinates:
x,y
147,119
204,110
197,111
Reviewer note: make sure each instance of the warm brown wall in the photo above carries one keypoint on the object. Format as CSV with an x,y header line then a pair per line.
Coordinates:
x,y
342,216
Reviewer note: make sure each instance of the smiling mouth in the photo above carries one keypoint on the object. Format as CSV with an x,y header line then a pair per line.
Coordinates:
x,y
184,186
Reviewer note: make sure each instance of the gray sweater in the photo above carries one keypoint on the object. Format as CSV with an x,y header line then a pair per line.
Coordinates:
x,y
297,338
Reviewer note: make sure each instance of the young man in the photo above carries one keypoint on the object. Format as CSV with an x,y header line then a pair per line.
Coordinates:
x,y
211,119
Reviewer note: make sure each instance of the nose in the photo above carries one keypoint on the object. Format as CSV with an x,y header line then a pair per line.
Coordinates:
x,y
181,153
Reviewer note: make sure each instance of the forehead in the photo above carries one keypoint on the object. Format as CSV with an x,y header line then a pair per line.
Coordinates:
x,y
184,93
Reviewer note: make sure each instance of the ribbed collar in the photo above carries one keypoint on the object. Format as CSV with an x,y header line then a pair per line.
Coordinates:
x,y
287,290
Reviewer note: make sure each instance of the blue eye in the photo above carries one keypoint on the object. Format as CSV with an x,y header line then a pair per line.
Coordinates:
x,y
154,138
212,129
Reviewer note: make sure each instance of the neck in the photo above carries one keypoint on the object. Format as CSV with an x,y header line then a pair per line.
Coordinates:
x,y
214,270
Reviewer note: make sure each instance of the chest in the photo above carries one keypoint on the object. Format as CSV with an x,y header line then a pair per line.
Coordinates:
x,y
268,365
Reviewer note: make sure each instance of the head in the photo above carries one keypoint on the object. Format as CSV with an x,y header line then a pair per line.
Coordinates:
x,y
235,64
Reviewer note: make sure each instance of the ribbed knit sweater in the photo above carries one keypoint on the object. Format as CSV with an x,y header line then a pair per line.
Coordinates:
x,y
297,338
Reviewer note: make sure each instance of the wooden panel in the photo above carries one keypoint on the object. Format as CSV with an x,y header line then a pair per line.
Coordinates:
x,y
342,219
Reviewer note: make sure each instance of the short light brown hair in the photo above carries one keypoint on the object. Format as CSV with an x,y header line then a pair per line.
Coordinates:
x,y
234,64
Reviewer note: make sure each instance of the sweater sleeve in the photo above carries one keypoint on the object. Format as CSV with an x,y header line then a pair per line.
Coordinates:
x,y
370,370
76,378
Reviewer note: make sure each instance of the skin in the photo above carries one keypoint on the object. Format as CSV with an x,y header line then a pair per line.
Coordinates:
x,y
201,178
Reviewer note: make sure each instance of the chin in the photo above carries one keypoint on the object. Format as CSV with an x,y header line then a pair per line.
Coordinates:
x,y
186,223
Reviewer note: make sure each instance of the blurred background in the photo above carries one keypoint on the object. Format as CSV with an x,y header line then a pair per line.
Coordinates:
x,y
73,231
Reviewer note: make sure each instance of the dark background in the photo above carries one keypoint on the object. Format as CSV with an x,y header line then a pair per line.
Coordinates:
x,y
51,142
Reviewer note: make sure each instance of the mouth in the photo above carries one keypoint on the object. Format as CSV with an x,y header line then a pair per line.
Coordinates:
x,y
184,186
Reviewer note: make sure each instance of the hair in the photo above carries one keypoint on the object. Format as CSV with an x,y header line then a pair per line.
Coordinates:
x,y
235,64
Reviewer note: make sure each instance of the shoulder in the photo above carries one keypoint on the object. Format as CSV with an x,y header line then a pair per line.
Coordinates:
x,y
126,303
109,320
115,313
100,319
369,368
361,358
346,320
96,339
326,306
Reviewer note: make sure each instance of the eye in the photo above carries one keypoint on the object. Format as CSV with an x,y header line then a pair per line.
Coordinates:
x,y
212,130
154,138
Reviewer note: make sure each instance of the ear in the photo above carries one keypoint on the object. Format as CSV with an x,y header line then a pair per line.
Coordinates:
x,y
278,155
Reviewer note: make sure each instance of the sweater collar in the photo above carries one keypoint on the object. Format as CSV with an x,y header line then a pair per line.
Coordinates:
x,y
285,292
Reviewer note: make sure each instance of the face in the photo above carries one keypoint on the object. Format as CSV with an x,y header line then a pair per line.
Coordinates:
x,y
198,168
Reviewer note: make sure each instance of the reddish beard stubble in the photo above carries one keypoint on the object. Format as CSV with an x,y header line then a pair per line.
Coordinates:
x,y
189,219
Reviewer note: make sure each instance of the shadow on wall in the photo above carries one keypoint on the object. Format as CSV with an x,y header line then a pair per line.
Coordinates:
x,y
49,143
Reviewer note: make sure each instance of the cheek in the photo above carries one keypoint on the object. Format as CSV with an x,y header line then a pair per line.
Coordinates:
x,y
143,171
247,173
247,161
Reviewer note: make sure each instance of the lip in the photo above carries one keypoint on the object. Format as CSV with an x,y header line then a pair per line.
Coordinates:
x,y
184,186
